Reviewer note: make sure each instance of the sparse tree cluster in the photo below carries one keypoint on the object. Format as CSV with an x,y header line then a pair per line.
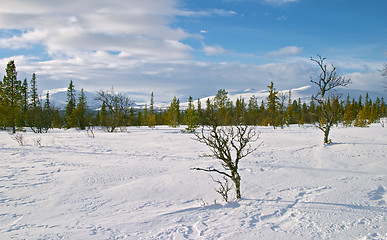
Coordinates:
x,y
21,106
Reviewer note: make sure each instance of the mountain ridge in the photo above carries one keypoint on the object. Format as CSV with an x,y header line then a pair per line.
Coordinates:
x,y
59,96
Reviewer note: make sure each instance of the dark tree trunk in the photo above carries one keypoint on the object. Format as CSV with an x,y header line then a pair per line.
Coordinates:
x,y
237,181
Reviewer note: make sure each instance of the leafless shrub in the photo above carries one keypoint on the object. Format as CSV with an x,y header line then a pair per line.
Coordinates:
x,y
223,188
19,138
90,132
38,141
382,120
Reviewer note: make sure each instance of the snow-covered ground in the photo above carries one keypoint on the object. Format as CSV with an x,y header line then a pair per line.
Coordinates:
x,y
138,185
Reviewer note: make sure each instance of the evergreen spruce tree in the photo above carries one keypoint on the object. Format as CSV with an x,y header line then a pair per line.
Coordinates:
x,y
80,114
174,113
349,113
34,92
151,120
57,120
305,114
70,107
252,111
165,117
200,112
132,117
361,119
240,112
35,109
11,97
190,117
222,106
104,117
22,121
272,105
375,110
145,115
152,104
25,95
47,114
139,117
383,109
313,111
360,103
209,111
281,119
151,117
263,119
289,109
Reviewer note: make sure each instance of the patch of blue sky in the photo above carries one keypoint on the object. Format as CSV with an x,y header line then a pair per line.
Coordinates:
x,y
34,53
315,26
8,33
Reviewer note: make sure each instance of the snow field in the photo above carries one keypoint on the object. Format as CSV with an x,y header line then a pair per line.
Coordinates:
x,y
138,185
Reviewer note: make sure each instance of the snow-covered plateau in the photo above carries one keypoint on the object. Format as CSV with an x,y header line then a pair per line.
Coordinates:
x,y
138,185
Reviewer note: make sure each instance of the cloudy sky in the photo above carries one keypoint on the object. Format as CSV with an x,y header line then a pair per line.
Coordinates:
x,y
185,47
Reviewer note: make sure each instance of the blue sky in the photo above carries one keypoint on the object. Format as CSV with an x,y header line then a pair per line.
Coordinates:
x,y
181,48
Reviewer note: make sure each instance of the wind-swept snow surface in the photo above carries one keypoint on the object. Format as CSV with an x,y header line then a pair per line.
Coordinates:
x,y
138,185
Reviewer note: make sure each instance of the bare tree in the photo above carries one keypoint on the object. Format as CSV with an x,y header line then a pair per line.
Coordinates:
x,y
224,187
328,80
229,144
118,106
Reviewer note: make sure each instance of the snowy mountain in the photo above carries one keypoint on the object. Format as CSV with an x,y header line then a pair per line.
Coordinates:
x,y
59,96
305,93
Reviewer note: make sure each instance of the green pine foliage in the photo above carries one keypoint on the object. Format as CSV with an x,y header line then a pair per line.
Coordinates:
x,y
151,121
48,113
70,107
80,116
191,117
272,106
11,97
173,112
240,112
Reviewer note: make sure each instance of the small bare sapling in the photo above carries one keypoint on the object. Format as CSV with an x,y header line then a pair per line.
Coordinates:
x,y
19,138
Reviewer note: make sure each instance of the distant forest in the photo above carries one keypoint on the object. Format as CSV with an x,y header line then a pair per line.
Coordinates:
x,y
21,107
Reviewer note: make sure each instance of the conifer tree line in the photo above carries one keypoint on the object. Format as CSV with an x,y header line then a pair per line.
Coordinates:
x,y
22,107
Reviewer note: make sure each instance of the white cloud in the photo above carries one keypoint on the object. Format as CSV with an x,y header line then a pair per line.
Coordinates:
x,y
282,18
213,50
371,81
139,28
222,12
286,51
210,12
